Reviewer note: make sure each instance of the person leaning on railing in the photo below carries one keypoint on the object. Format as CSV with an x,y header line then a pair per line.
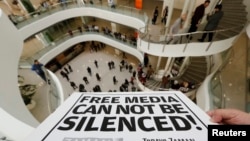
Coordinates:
x,y
175,29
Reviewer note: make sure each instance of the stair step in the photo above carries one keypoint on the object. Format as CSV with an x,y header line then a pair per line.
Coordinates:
x,y
198,65
196,74
196,71
192,79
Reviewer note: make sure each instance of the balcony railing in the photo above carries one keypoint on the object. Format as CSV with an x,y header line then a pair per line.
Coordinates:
x,y
64,37
184,38
42,12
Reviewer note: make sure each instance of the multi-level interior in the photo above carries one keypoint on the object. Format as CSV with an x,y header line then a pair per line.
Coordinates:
x,y
218,70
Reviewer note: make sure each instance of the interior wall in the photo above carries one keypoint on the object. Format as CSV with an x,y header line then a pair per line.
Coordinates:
x,y
10,98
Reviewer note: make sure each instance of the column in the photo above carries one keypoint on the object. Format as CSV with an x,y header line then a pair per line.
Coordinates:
x,y
170,4
115,28
190,13
167,67
185,7
20,4
158,63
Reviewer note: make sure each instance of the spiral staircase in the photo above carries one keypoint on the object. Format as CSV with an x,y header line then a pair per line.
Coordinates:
x,y
235,15
234,19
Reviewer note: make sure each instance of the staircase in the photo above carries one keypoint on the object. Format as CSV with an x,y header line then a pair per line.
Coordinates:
x,y
153,84
235,17
196,71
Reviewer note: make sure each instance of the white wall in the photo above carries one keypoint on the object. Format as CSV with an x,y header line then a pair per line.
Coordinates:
x,y
11,48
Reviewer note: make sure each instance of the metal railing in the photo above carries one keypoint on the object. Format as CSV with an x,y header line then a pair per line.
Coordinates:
x,y
64,37
184,38
41,12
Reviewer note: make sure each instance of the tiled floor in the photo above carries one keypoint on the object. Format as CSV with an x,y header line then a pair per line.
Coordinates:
x,y
234,87
79,65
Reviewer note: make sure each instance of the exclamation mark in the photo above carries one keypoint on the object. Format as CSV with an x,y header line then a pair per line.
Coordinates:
x,y
193,121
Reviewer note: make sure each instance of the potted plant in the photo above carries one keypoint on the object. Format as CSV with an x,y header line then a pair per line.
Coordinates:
x,y
27,91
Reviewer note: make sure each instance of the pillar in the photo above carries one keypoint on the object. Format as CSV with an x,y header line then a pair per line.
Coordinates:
x,y
167,66
158,63
170,4
22,7
191,8
185,7
115,28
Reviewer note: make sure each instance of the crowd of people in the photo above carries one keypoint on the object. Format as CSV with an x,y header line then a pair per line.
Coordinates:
x,y
132,39
125,85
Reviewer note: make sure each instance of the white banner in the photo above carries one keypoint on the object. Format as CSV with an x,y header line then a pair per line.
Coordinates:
x,y
140,116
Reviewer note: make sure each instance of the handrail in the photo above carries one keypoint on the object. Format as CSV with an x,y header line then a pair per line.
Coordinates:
x,y
22,20
223,98
66,36
165,38
190,93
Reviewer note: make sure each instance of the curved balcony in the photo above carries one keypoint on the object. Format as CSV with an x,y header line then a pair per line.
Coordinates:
x,y
178,45
32,24
65,41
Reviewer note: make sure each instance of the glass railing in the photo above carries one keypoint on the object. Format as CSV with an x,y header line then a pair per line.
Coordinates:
x,y
185,38
55,93
130,42
41,12
216,93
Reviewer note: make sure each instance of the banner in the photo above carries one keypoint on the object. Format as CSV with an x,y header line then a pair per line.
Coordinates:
x,y
138,4
137,116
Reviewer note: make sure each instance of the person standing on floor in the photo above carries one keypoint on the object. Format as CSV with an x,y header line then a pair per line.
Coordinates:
x,y
155,15
85,79
70,68
64,75
66,70
197,16
81,88
38,68
145,60
112,64
164,81
73,85
89,71
98,77
165,15
150,71
96,63
212,23
114,80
